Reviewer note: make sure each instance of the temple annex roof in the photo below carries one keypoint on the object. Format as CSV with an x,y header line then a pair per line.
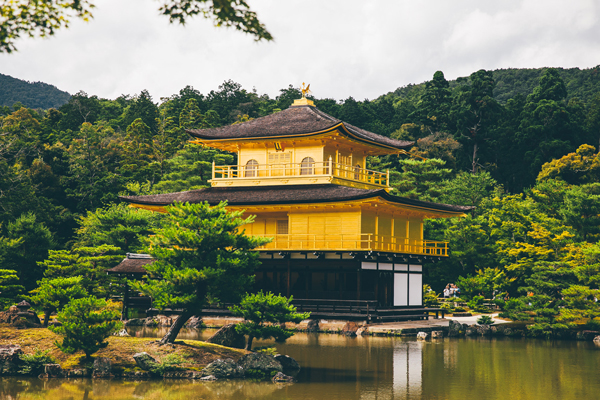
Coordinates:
x,y
132,264
296,121
293,194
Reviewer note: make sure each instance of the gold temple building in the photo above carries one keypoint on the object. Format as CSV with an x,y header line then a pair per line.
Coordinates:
x,y
338,234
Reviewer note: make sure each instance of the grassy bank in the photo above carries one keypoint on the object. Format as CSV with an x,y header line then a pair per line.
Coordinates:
x,y
120,350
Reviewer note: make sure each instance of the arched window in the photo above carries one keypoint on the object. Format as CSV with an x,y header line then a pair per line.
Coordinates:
x,y
251,169
307,166
357,172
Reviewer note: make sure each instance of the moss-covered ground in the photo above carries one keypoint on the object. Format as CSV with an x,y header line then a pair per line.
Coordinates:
x,y
120,350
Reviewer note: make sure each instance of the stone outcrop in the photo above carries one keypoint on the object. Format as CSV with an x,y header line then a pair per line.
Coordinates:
x,y
362,331
350,328
223,369
135,322
195,323
597,340
136,375
182,375
313,325
9,359
483,330
260,362
437,334
455,329
281,377
228,336
102,368
53,371
422,335
145,361
78,373
287,363
122,332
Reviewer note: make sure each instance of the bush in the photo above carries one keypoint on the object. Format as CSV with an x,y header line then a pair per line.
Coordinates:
x,y
33,364
262,313
430,298
485,320
86,323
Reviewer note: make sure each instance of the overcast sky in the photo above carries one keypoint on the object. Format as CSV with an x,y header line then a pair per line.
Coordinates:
x,y
342,48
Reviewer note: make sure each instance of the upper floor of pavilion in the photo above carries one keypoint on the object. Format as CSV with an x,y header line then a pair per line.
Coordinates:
x,y
296,146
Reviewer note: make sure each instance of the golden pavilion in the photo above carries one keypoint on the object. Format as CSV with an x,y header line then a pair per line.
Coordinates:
x,y
338,234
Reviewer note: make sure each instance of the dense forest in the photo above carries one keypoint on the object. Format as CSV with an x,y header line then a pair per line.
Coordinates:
x,y
30,94
526,156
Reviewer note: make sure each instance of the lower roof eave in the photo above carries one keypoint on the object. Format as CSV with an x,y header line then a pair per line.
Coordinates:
x,y
359,255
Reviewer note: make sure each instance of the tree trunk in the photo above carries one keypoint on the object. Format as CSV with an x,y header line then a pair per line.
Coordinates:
x,y
474,170
176,327
249,344
46,318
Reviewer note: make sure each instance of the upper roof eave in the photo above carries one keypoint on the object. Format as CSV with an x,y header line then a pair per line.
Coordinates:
x,y
303,121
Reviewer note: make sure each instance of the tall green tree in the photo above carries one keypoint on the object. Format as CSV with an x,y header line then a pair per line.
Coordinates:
x,y
201,256
476,113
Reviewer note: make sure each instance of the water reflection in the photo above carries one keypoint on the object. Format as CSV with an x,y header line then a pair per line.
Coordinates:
x,y
340,368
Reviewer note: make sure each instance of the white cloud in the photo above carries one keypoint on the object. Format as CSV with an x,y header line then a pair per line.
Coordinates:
x,y
342,47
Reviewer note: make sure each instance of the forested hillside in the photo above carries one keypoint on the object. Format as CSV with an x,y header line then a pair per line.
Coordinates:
x,y
30,94
529,163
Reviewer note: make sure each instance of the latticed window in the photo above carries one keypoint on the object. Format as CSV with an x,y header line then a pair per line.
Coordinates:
x,y
251,169
280,158
307,166
282,227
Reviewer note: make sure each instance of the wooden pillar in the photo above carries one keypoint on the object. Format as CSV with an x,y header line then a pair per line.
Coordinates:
x,y
358,284
308,278
289,277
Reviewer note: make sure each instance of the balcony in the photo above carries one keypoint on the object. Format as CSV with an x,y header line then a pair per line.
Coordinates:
x,y
298,173
356,242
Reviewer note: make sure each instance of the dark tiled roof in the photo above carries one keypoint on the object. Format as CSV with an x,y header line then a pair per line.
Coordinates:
x,y
293,194
132,265
294,121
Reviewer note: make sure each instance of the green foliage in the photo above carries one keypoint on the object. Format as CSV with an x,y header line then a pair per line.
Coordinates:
x,y
86,323
269,350
35,239
476,304
43,18
33,364
89,263
485,320
419,179
53,294
201,256
31,94
263,313
10,287
117,225
430,298
171,362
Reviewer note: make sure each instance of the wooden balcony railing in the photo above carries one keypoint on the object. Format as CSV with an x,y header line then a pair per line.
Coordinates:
x,y
348,242
304,169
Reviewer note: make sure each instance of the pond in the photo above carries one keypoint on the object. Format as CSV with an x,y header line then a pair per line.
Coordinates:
x,y
336,367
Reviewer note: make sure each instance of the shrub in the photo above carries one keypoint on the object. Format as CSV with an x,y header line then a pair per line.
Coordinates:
x,y
485,320
262,313
86,323
33,364
269,350
430,298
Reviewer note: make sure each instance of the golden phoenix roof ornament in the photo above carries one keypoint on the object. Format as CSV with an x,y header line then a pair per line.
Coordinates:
x,y
305,90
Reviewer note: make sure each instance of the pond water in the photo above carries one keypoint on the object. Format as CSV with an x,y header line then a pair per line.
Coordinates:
x,y
372,368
